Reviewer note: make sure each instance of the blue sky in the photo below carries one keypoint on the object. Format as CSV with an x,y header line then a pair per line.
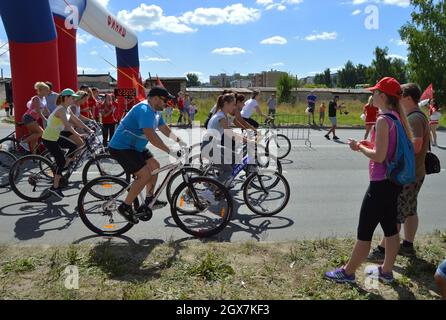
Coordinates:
x,y
214,36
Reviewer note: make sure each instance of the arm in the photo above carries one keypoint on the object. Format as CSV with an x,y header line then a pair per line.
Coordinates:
x,y
169,133
155,140
241,123
36,106
68,127
78,123
381,144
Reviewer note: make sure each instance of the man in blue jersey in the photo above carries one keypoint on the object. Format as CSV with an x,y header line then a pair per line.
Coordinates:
x,y
311,99
129,142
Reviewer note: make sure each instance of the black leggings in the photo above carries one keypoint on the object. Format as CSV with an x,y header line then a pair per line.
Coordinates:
x,y
108,132
380,206
55,148
252,122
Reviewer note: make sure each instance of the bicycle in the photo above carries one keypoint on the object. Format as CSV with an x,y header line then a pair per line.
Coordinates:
x,y
206,204
31,176
15,146
265,182
7,159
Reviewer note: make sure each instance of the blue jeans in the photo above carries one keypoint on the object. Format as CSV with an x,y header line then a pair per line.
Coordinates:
x,y
441,271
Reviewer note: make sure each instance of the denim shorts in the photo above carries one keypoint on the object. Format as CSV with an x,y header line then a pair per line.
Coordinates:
x,y
334,121
441,271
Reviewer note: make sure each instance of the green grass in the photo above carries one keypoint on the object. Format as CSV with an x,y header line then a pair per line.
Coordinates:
x,y
196,270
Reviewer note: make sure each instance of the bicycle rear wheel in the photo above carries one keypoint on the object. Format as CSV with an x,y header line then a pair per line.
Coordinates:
x,y
6,161
177,179
98,204
202,210
30,178
103,165
266,201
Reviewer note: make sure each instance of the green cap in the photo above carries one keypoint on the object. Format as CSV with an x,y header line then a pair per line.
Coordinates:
x,y
68,93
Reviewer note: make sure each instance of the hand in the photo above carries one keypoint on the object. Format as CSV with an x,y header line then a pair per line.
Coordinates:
x,y
367,144
182,143
354,145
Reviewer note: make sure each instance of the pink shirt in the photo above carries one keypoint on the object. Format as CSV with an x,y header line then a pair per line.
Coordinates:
x,y
378,170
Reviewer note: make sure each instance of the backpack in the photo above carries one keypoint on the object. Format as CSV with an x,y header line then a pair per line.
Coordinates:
x,y
401,170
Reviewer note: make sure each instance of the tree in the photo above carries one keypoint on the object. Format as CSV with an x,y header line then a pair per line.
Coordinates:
x,y
192,80
284,86
426,38
347,77
327,78
361,74
381,65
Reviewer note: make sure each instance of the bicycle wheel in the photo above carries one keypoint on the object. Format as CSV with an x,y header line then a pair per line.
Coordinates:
x,y
206,207
103,165
266,201
280,146
30,178
6,161
12,145
98,204
177,179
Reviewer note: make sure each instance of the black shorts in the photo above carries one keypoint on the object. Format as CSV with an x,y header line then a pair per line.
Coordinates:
x,y
28,119
131,160
252,122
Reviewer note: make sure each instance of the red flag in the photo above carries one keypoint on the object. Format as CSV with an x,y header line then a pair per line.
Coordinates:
x,y
140,93
159,83
428,94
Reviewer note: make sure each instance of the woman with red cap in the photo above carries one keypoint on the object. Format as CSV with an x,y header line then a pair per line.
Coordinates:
x,y
381,200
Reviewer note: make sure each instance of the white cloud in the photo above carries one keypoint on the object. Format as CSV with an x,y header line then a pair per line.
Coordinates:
x,y
322,36
399,3
278,64
83,38
154,59
235,14
149,44
279,5
229,51
356,12
151,17
276,40
86,70
397,56
264,2
103,2
94,53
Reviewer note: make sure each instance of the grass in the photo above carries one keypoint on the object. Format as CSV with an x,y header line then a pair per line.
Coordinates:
x,y
195,270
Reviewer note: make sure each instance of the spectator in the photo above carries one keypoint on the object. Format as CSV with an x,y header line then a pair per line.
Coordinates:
x,y
109,122
192,110
435,115
440,279
180,105
187,102
371,114
408,199
322,114
95,106
311,107
380,203
51,98
332,112
35,117
168,111
272,106
86,110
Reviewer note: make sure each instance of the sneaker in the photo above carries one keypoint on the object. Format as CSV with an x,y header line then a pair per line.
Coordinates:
x,y
56,192
376,255
378,273
25,146
127,213
157,205
407,251
339,276
336,138
327,137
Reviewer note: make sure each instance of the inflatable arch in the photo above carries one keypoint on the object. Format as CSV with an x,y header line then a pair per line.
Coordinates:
x,y
42,43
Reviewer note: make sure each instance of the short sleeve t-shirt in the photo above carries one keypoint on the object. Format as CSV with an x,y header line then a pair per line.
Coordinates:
x,y
249,108
420,129
130,133
332,111
311,100
51,101
272,104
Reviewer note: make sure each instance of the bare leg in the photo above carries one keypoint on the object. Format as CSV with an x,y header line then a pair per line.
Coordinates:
x,y
150,186
392,248
360,252
142,178
441,284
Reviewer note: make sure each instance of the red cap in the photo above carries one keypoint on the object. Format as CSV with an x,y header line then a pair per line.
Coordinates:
x,y
389,86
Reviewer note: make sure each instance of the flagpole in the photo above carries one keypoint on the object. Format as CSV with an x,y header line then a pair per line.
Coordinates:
x,y
150,80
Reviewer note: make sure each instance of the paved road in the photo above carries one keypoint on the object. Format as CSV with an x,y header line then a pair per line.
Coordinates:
x,y
327,181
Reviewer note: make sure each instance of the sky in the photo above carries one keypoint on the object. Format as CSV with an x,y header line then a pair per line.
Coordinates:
x,y
209,37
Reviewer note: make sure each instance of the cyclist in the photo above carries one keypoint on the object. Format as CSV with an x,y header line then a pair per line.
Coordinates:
x,y
54,140
35,117
250,106
128,146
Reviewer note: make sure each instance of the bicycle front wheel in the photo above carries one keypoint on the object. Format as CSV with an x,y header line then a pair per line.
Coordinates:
x,y
98,204
280,146
266,201
30,178
202,208
177,179
6,161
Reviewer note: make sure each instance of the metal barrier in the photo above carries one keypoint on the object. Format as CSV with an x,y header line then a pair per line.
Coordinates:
x,y
295,127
